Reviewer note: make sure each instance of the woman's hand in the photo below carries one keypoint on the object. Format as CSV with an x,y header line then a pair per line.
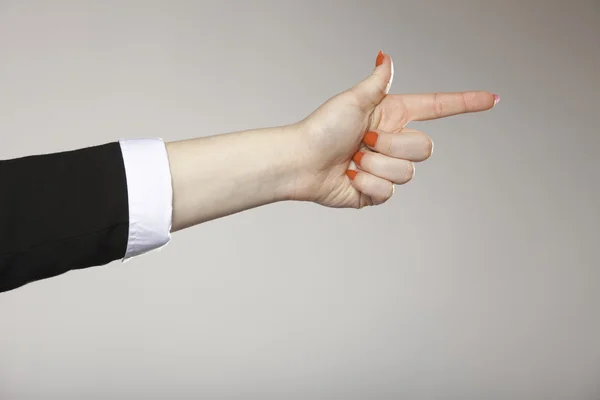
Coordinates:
x,y
356,146
311,160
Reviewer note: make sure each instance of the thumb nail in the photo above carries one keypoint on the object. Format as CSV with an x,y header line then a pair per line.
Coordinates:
x,y
380,57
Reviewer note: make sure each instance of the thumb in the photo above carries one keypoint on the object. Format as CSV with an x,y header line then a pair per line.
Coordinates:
x,y
372,90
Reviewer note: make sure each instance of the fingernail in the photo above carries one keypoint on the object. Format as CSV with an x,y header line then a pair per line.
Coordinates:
x,y
380,57
358,157
370,139
351,174
496,99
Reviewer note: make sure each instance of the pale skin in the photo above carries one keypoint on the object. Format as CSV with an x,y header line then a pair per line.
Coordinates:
x,y
312,160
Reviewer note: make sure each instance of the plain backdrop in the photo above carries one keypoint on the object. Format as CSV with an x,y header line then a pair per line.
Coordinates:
x,y
478,280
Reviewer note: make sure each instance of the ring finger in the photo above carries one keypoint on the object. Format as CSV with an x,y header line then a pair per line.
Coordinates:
x,y
395,170
409,144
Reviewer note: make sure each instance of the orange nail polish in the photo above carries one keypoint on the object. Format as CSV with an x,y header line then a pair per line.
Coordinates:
x,y
351,174
380,58
358,157
370,139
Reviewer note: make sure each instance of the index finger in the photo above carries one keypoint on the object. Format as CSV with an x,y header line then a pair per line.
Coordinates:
x,y
421,107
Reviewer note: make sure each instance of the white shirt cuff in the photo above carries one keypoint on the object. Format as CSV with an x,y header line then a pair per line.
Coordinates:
x,y
150,195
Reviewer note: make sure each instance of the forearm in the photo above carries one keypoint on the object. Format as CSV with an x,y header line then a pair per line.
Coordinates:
x,y
91,206
224,174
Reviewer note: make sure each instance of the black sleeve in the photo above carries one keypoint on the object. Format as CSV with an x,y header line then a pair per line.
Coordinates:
x,y
61,211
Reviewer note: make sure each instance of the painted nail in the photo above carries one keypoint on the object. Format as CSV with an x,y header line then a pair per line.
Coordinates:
x,y
380,58
358,157
370,139
351,174
496,99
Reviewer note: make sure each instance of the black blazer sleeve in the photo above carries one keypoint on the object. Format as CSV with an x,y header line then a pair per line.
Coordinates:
x,y
60,212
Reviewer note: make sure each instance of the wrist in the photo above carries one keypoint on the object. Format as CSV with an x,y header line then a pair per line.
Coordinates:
x,y
291,160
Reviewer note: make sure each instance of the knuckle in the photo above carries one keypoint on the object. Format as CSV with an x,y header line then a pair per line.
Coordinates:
x,y
428,147
381,82
387,193
390,192
410,171
465,101
388,144
423,146
438,108
404,172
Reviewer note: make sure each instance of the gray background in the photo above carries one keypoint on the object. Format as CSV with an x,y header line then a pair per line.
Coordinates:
x,y
478,280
